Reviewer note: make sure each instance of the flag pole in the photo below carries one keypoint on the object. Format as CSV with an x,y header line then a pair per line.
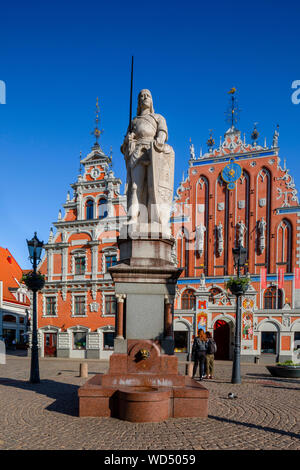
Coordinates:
x,y
131,84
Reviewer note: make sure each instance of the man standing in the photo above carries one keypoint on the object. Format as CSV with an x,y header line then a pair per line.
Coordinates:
x,y
210,356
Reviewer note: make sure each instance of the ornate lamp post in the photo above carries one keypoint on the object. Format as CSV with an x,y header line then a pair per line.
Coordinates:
x,y
238,287
34,282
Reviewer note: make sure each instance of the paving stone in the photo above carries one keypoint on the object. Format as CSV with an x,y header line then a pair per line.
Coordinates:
x,y
265,415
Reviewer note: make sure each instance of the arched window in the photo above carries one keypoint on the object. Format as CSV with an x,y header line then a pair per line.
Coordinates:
x,y
188,300
212,293
284,247
90,209
102,208
273,298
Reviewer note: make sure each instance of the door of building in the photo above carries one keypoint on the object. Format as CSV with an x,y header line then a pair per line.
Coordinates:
x,y
222,339
50,344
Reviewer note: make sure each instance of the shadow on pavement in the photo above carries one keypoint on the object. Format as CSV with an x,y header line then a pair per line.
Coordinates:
x,y
270,377
256,426
65,395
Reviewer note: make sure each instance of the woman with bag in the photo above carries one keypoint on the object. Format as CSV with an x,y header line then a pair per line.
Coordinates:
x,y
199,353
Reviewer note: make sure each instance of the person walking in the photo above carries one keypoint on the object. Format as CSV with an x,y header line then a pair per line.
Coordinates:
x,y
210,355
199,353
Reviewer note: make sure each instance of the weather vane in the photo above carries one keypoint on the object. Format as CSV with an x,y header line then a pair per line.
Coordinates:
x,y
211,141
255,133
97,132
232,113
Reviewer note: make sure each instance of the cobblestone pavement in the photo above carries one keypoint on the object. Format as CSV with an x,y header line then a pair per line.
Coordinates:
x,y
265,415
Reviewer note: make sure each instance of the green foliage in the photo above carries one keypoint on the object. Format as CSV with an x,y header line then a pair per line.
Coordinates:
x,y
238,283
287,363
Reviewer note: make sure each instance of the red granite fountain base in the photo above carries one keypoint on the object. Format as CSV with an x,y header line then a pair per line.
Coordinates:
x,y
143,389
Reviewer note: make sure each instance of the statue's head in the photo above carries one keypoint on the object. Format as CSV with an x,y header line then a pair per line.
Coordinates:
x,y
145,100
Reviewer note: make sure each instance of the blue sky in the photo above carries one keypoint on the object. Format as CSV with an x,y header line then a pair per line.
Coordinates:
x,y
57,57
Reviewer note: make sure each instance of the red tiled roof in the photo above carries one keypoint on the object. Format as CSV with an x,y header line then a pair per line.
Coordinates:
x,y
9,272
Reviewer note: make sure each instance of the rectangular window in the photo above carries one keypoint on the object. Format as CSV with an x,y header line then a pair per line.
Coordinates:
x,y
80,265
79,340
297,340
110,305
79,305
180,341
108,340
50,305
268,342
110,260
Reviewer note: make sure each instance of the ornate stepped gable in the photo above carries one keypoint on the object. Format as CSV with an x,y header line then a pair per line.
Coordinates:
x,y
77,255
262,206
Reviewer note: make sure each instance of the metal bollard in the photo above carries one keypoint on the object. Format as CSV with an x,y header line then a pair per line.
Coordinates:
x,y
83,371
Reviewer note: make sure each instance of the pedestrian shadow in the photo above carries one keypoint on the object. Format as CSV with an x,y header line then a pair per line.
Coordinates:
x,y
256,426
274,379
65,395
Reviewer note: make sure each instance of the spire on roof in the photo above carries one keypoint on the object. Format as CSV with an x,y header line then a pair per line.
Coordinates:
x,y
232,113
97,132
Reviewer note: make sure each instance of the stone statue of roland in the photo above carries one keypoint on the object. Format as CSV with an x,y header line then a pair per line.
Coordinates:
x,y
150,169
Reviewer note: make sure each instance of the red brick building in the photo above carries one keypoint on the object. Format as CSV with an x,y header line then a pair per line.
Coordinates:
x,y
263,214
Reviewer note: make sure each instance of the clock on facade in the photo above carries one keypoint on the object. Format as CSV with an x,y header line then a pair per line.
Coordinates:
x,y
231,173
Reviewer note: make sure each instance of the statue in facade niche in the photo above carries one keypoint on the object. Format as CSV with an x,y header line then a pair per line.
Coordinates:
x,y
241,232
261,229
200,230
150,167
220,238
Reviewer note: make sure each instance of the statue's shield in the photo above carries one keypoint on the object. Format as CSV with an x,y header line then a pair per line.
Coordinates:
x,y
163,183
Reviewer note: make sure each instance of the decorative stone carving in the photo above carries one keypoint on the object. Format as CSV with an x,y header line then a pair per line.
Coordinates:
x,y
150,166
241,204
94,291
64,292
200,231
192,152
221,206
275,137
241,227
262,202
220,240
261,229
94,307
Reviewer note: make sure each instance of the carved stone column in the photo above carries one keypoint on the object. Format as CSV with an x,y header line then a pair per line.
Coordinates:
x,y
64,263
94,261
120,315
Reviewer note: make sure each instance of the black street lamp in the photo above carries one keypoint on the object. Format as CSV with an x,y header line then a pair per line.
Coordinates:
x,y
240,257
35,247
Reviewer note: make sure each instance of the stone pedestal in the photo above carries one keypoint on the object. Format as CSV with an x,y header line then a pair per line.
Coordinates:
x,y
143,383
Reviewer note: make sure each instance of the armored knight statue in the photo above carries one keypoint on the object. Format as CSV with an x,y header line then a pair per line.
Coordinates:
x,y
150,168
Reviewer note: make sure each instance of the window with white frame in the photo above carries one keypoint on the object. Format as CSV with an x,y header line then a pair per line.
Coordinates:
x,y
79,264
110,260
79,307
108,340
50,305
110,305
79,340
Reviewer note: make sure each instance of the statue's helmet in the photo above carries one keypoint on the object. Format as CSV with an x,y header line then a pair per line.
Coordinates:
x,y
139,101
